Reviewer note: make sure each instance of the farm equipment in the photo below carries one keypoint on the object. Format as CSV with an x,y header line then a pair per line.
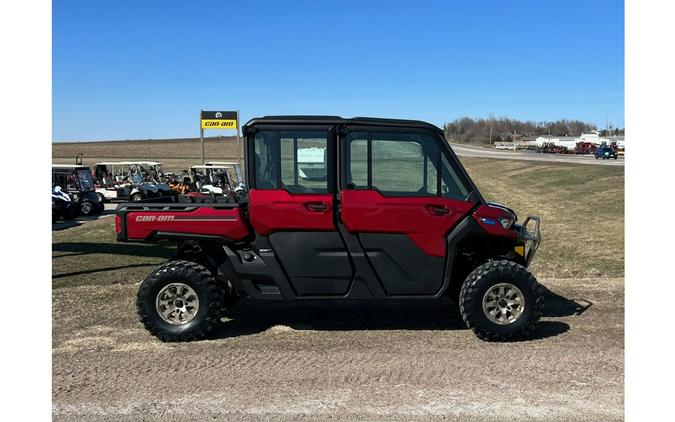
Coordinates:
x,y
76,181
586,148
551,148
363,232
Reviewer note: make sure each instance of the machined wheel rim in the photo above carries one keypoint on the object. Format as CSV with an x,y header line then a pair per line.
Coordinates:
x,y
177,303
86,208
503,303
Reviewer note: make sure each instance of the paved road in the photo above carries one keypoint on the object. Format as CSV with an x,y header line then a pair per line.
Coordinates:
x,y
276,361
472,151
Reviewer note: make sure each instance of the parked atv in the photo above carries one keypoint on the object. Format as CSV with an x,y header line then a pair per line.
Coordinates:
x,y
76,181
62,205
363,232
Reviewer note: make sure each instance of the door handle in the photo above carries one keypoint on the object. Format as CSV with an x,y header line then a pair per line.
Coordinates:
x,y
316,206
437,210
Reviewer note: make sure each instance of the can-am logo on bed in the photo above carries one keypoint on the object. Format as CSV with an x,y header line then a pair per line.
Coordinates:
x,y
152,218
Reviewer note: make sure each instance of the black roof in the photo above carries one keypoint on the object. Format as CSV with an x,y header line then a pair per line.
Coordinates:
x,y
331,120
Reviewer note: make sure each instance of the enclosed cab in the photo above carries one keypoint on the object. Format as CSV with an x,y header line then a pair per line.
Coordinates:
x,y
391,215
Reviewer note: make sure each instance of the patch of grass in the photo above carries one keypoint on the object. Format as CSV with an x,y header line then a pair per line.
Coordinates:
x,y
581,207
89,254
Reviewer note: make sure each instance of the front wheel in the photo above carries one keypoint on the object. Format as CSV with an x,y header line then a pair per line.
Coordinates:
x,y
180,301
87,208
137,197
501,301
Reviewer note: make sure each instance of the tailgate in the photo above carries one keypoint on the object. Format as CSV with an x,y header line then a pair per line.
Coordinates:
x,y
141,221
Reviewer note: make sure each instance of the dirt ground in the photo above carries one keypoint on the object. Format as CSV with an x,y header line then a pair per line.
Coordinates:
x,y
397,361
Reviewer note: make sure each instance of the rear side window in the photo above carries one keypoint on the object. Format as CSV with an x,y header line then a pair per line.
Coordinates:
x,y
303,162
266,161
292,160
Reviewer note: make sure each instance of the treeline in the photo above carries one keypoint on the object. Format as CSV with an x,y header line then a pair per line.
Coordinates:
x,y
502,129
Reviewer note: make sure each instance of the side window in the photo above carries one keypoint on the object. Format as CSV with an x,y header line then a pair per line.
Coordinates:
x,y
266,160
303,162
295,161
404,164
451,184
401,164
397,166
357,171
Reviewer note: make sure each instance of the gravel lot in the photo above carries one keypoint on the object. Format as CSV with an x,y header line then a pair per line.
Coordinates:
x,y
397,361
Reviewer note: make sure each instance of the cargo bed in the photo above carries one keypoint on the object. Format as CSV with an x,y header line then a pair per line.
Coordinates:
x,y
181,217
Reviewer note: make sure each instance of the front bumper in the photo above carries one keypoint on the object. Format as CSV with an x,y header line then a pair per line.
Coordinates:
x,y
528,240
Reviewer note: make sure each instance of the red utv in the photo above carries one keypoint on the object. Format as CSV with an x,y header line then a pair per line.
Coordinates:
x,y
393,215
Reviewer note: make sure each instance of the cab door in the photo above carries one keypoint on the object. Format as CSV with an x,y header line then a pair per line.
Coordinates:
x,y
401,196
292,204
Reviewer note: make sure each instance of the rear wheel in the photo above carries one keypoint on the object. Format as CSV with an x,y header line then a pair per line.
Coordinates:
x,y
136,197
180,301
501,301
101,197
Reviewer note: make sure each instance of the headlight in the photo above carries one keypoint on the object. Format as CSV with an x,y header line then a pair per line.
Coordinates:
x,y
506,222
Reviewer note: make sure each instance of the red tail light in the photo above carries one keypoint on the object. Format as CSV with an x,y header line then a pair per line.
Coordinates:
x,y
118,224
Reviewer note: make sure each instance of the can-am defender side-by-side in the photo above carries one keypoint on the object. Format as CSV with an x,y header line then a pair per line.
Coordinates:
x,y
395,217
76,181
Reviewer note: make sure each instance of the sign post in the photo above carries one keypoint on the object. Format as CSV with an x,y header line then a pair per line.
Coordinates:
x,y
201,136
218,120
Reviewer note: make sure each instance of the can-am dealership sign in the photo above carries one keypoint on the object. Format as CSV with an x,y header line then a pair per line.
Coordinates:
x,y
219,120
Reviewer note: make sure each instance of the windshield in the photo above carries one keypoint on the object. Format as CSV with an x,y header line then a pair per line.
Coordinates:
x,y
84,180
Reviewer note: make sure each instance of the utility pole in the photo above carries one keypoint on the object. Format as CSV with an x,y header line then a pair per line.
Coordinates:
x,y
490,134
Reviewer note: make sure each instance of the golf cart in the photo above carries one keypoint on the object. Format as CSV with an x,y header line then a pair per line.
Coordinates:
x,y
152,173
233,170
76,181
214,178
127,181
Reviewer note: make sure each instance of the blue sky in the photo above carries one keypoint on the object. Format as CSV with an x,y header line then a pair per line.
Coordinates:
x,y
144,69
